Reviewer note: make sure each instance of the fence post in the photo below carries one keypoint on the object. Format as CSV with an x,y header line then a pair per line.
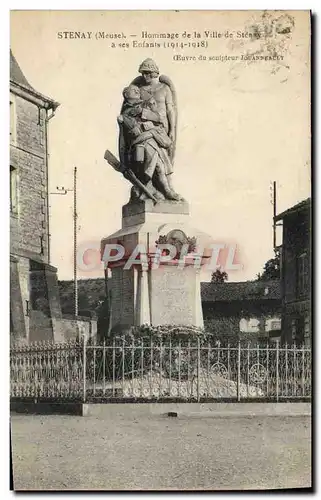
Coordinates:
x,y
179,367
198,369
114,363
170,367
238,371
303,375
104,367
84,367
277,370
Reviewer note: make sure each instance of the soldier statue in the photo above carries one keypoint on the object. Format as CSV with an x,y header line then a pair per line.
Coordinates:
x,y
147,135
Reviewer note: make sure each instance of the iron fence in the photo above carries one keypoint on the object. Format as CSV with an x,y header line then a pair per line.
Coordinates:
x,y
46,370
160,369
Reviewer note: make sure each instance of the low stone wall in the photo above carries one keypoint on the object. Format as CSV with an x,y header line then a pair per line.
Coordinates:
x,y
181,410
71,328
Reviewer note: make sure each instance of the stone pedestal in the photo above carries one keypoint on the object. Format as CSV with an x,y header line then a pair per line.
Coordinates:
x,y
147,293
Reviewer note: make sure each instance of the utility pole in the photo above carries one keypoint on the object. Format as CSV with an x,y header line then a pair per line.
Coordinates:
x,y
75,216
274,215
273,201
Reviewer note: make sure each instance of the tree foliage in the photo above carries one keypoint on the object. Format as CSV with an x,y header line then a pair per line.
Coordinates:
x,y
91,295
271,270
219,276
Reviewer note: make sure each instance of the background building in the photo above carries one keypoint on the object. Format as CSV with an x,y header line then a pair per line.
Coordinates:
x,y
249,310
31,275
35,312
296,272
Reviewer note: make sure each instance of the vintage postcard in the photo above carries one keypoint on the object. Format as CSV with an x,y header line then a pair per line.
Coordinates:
x,y
160,250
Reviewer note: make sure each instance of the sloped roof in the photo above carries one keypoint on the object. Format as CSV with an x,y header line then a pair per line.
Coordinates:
x,y
242,290
16,74
94,289
303,205
18,78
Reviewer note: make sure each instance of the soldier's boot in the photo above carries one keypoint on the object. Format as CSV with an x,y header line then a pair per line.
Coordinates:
x,y
175,195
167,191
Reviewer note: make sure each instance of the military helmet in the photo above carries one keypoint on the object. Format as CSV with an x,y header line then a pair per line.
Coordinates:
x,y
148,65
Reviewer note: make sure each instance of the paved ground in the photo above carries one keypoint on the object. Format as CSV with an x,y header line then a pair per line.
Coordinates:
x,y
154,452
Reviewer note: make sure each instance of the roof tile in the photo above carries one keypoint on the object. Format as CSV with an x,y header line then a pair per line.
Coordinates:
x,y
242,290
16,74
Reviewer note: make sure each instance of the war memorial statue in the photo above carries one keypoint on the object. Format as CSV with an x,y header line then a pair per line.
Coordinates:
x,y
156,215
147,135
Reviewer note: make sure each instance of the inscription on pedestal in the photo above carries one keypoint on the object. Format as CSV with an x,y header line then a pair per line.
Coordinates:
x,y
173,296
122,296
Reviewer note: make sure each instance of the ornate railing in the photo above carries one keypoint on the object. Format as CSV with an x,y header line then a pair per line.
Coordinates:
x,y
47,371
160,369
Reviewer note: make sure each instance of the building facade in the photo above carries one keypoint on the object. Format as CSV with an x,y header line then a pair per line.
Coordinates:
x,y
30,272
249,310
35,310
296,272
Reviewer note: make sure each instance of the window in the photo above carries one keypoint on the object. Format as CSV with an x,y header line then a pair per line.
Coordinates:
x,y
303,275
13,190
41,244
12,120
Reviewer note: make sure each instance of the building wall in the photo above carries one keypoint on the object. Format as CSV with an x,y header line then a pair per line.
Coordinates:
x,y
248,318
18,331
69,329
296,240
28,212
296,298
29,222
23,269
35,309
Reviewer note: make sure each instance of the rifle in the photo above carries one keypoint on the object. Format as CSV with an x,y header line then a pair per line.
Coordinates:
x,y
127,173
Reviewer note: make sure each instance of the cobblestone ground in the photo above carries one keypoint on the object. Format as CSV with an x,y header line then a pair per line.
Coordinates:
x,y
154,452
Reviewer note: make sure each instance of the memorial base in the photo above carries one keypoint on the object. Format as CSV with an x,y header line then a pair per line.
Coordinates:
x,y
147,293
